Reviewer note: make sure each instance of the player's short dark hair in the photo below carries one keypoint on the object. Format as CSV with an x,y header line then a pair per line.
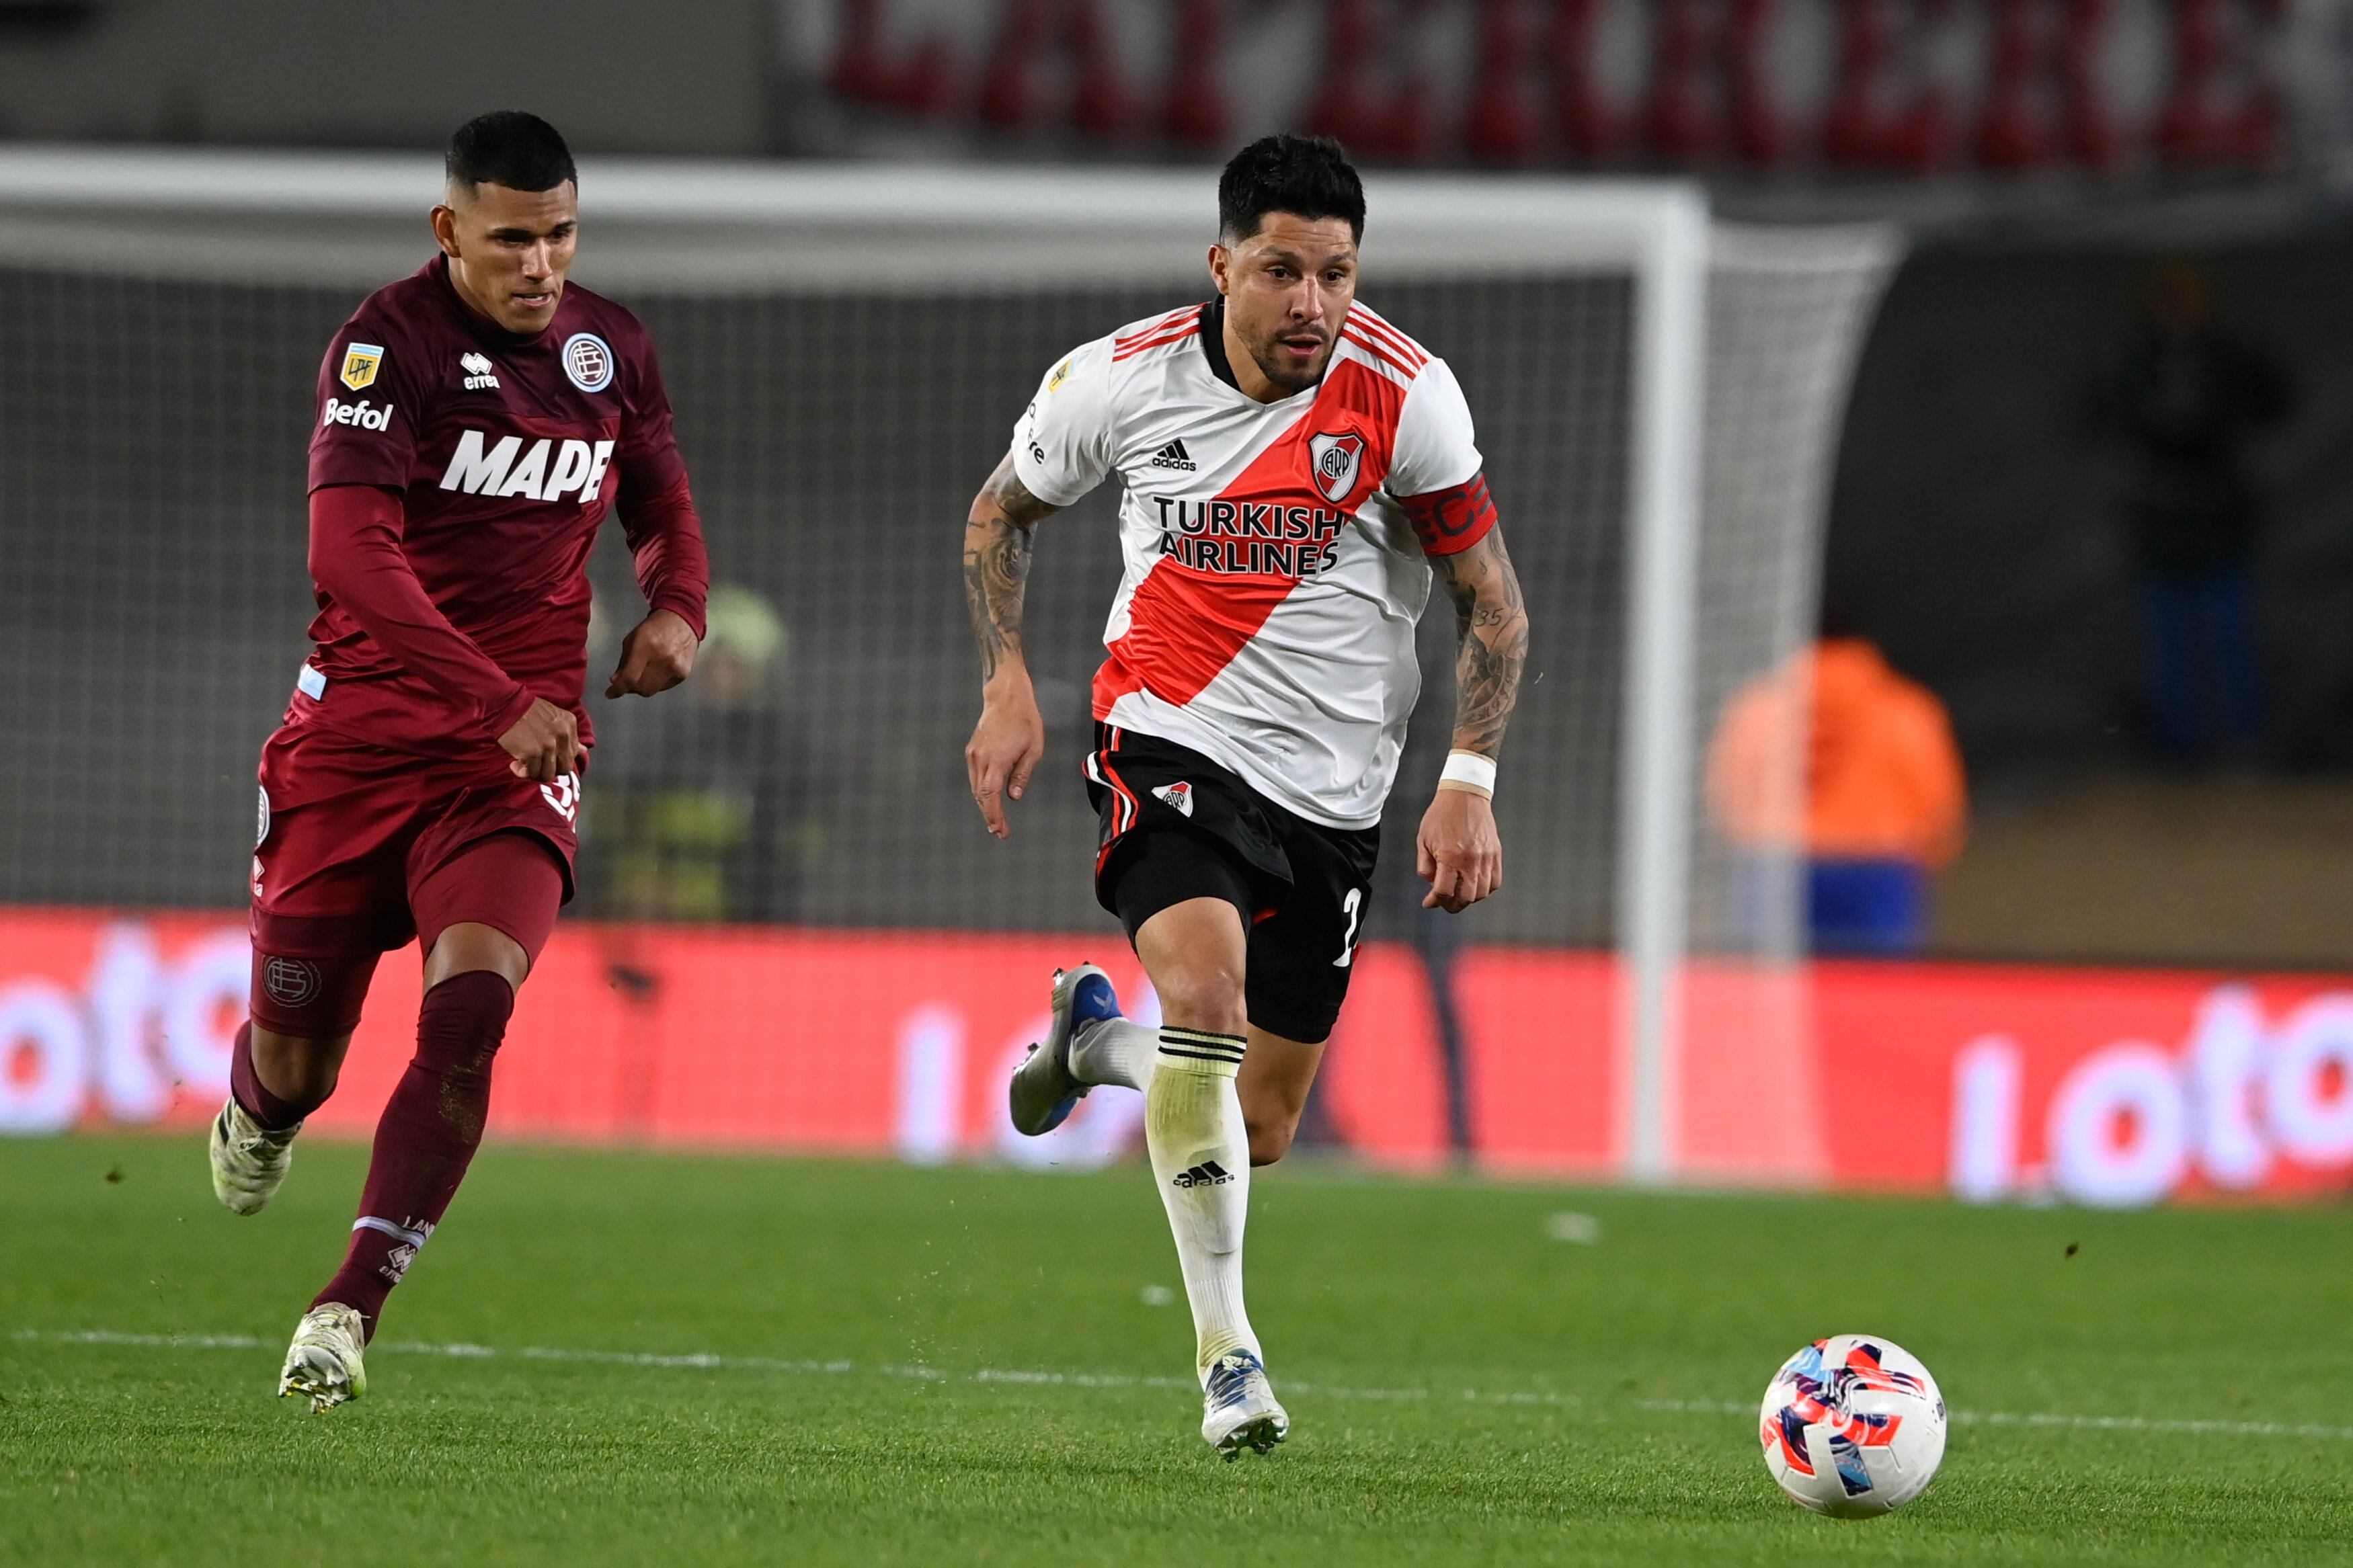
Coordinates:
x,y
508,147
1307,176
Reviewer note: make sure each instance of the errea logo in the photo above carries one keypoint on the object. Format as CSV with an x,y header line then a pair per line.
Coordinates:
x,y
362,415
543,472
479,376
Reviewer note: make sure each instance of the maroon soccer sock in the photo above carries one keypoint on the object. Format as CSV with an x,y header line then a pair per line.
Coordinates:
x,y
430,1129
273,1113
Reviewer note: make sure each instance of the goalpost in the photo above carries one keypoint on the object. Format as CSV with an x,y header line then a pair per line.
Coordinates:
x,y
1659,395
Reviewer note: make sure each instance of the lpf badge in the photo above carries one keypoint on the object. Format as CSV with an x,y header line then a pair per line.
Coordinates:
x,y
360,364
1336,460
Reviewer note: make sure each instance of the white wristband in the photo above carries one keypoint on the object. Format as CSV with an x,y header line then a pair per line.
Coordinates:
x,y
1470,770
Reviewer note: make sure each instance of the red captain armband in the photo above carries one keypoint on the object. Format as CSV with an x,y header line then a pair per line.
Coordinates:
x,y
1452,521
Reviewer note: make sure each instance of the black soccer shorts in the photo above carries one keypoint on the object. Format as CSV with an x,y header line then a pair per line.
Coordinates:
x,y
1176,825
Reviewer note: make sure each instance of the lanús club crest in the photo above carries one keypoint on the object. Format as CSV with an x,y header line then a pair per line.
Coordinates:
x,y
1336,460
588,361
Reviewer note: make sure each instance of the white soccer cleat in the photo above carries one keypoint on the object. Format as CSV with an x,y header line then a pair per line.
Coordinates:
x,y
249,1161
325,1362
1237,1407
1042,1092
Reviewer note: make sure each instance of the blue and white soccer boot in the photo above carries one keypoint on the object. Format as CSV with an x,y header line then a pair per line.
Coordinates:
x,y
1238,1406
325,1359
1042,1092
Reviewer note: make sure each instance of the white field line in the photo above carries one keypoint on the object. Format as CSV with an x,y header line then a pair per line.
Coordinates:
x,y
707,1361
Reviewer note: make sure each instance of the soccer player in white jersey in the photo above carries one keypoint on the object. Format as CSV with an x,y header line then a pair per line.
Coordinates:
x,y
1296,470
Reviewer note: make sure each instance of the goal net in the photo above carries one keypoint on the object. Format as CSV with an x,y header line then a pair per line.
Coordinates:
x,y
1658,397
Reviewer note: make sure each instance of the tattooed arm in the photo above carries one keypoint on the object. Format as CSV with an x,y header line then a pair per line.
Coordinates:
x,y
1010,738
1460,854
1492,620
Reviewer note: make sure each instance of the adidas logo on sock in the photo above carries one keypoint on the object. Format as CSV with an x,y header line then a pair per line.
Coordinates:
x,y
1208,1174
1174,455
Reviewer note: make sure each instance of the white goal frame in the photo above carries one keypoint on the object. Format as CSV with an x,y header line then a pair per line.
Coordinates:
x,y
754,226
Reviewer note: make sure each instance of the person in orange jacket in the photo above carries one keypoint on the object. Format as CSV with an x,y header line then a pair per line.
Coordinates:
x,y
1878,806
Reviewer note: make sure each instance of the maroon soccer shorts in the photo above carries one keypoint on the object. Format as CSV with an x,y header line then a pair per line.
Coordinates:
x,y
349,833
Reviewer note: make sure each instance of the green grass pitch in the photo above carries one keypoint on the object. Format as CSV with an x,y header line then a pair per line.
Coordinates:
x,y
976,1367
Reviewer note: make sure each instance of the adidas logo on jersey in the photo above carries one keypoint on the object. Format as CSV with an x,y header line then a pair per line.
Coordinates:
x,y
1174,455
1179,795
1208,1174
546,470
480,376
364,415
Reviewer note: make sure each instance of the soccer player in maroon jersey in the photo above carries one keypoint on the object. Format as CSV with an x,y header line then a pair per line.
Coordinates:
x,y
475,421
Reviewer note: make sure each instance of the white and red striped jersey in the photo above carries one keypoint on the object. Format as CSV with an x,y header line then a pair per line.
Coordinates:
x,y
1274,553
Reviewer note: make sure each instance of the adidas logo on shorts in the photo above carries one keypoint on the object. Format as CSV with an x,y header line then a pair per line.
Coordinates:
x,y
1174,455
1178,796
1208,1174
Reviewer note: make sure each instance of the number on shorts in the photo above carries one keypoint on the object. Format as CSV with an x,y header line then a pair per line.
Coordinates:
x,y
1353,907
564,795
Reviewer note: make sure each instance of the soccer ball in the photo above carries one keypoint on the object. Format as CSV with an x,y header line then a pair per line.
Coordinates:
x,y
1853,1427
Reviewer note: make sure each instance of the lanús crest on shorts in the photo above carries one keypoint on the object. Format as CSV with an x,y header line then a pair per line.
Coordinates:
x,y
293,982
588,361
1335,459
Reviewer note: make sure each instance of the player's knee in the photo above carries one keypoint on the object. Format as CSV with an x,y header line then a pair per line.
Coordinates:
x,y
299,1070
1202,993
306,1079
1270,1134
462,1023
472,947
302,1012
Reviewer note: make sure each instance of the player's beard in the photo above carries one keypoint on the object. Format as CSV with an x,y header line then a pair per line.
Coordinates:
x,y
1271,364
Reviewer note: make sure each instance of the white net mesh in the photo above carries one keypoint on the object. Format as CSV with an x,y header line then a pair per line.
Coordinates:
x,y
155,374
1786,315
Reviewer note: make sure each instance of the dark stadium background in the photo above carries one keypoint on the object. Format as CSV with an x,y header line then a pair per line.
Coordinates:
x,y
1954,297
151,432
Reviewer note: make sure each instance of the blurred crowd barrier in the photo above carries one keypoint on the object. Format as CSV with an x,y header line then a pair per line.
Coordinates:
x,y
1898,87
1996,1083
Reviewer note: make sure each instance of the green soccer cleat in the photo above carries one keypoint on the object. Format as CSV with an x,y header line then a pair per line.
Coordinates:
x,y
249,1161
323,1362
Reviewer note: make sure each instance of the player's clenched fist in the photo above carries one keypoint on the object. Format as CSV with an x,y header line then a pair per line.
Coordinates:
x,y
544,743
1460,854
654,657
1004,751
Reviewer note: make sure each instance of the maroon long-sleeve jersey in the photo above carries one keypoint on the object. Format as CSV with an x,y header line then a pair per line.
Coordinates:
x,y
505,454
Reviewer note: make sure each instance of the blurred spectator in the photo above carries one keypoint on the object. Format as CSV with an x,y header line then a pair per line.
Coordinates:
x,y
2188,399
1880,805
700,810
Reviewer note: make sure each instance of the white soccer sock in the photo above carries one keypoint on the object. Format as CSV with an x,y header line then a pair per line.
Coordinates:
x,y
1200,1158
1114,1050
